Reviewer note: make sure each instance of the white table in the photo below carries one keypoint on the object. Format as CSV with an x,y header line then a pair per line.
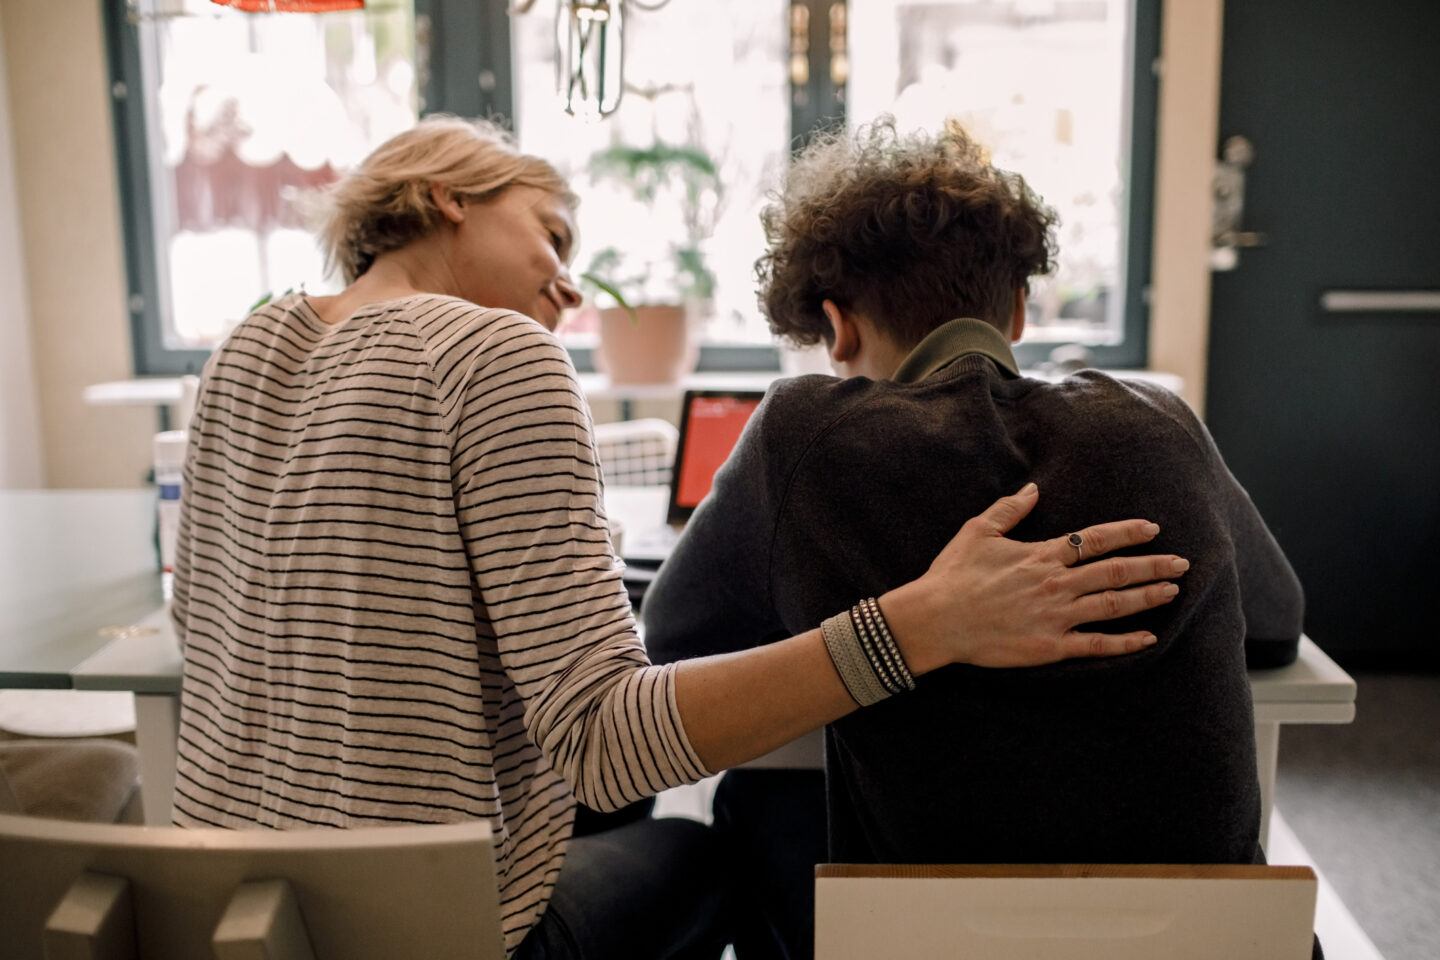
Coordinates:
x,y
78,571
145,658
1313,689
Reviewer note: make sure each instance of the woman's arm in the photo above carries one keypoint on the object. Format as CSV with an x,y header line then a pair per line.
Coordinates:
x,y
986,600
528,501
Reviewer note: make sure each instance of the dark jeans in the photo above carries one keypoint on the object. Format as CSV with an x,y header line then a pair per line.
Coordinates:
x,y
773,824
643,890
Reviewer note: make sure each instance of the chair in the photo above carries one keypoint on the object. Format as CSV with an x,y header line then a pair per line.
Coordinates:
x,y
636,453
162,893
1104,912
89,780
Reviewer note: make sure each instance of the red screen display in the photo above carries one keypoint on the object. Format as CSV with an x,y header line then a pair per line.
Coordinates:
x,y
713,428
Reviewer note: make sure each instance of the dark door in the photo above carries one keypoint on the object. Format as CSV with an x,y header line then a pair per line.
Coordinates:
x,y
1332,419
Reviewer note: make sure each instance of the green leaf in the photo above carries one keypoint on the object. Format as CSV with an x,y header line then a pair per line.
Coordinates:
x,y
609,288
691,263
683,174
646,168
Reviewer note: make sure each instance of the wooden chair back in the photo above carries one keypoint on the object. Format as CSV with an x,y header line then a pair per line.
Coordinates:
x,y
82,890
1064,912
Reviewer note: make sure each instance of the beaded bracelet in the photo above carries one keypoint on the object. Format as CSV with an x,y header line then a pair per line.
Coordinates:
x,y
865,653
892,648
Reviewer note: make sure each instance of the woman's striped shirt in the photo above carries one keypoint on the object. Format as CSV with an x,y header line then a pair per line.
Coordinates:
x,y
397,594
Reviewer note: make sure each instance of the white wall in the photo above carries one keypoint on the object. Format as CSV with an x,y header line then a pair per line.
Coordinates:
x,y
74,266
20,457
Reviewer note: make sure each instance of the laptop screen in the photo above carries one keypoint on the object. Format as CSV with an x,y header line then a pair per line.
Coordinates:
x,y
710,425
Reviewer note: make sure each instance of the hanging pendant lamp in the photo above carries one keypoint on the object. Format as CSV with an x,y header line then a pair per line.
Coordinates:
x,y
590,56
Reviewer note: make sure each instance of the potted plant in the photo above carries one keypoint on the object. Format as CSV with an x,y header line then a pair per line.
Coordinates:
x,y
659,280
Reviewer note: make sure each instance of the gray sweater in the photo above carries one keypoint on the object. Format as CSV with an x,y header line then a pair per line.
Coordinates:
x,y
842,489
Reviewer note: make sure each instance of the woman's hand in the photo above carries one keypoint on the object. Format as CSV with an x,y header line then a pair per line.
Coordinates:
x,y
995,602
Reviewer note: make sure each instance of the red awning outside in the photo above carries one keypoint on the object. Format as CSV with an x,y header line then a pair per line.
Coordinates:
x,y
252,141
291,6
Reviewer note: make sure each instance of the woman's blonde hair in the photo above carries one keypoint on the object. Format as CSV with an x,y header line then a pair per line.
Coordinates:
x,y
385,203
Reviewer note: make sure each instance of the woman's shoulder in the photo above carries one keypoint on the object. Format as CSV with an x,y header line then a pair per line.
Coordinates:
x,y
443,318
464,341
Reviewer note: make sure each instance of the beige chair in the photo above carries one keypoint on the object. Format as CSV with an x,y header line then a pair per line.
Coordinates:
x,y
1064,912
636,453
94,891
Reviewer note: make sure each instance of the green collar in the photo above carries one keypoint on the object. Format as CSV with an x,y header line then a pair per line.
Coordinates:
x,y
952,340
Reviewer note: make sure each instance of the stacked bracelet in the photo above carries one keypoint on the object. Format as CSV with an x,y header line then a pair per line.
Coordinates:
x,y
890,665
865,653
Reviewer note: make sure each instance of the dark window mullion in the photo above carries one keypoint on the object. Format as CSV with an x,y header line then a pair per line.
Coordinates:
x,y
469,65
132,154
714,358
820,104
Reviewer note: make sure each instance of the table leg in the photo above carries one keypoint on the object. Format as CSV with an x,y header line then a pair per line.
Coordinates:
x,y
1267,752
157,730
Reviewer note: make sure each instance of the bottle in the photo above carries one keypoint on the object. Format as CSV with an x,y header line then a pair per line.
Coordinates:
x,y
169,472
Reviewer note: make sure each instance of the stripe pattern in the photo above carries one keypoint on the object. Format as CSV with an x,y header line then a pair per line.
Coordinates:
x,y
396,590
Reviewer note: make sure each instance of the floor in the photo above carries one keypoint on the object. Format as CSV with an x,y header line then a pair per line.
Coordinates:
x,y
1340,933
1364,800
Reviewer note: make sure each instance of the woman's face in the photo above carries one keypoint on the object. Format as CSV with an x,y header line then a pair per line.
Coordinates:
x,y
513,251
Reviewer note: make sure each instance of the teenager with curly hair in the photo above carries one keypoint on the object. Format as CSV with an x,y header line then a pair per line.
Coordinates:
x,y
909,256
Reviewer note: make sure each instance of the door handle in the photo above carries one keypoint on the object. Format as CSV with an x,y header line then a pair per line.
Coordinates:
x,y
1380,301
1241,238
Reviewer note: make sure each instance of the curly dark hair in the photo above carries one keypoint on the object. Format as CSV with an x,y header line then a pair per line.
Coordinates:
x,y
911,230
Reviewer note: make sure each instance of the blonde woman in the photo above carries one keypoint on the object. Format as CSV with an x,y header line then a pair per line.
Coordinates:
x,y
398,598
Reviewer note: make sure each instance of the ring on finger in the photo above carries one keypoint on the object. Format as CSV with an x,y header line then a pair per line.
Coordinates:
x,y
1078,542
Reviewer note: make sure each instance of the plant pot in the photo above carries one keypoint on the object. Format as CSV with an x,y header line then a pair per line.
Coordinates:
x,y
654,346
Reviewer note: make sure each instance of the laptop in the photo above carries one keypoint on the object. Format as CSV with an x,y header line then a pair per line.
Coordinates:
x,y
711,422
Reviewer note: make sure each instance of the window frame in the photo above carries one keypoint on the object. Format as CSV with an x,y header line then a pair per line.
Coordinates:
x,y
460,76
132,156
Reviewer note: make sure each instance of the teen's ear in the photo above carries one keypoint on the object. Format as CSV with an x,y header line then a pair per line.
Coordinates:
x,y
1017,316
845,339
451,207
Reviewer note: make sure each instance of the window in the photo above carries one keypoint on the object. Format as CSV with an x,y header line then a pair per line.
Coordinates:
x,y
1046,86
707,83
224,120
241,116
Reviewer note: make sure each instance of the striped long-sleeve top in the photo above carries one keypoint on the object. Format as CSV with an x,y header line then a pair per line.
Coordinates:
x,y
396,590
